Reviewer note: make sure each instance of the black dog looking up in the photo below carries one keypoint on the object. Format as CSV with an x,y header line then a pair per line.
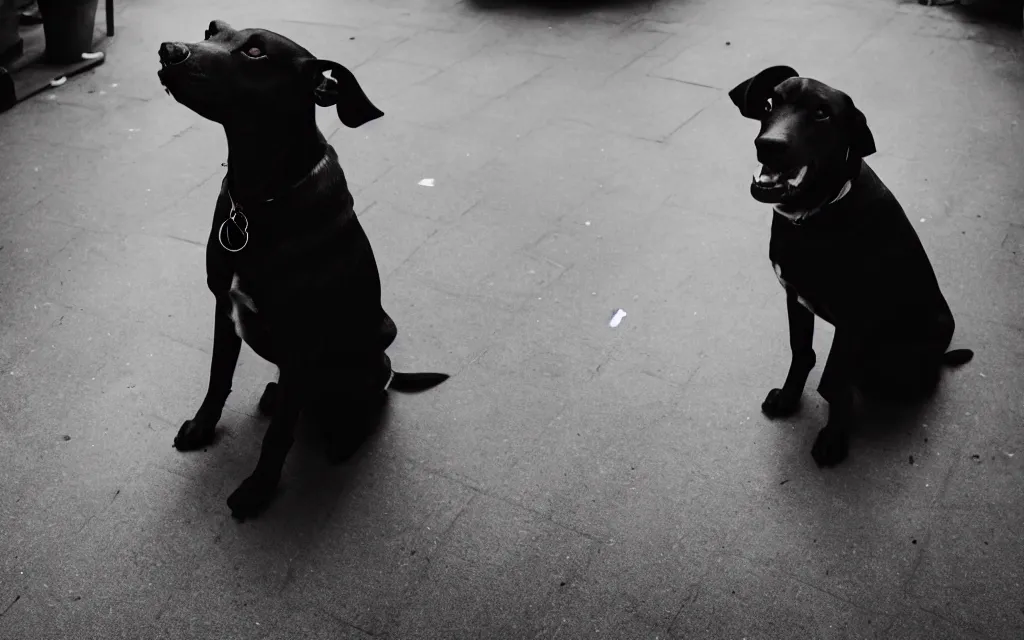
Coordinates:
x,y
844,250
287,260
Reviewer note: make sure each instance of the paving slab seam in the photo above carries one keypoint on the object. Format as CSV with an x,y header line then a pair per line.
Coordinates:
x,y
468,483
953,621
823,590
936,512
350,624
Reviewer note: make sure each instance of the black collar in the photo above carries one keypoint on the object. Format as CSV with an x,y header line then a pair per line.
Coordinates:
x,y
233,233
315,170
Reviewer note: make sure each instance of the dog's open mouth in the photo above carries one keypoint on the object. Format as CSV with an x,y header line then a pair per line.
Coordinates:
x,y
772,185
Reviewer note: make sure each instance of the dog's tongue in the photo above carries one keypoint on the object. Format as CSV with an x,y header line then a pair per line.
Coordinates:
x,y
768,177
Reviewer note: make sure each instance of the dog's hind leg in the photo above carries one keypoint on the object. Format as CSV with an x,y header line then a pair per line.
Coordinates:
x,y
784,402
349,421
906,368
348,403
199,431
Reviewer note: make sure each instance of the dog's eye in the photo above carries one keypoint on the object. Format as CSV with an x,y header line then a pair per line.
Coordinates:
x,y
768,105
822,113
254,52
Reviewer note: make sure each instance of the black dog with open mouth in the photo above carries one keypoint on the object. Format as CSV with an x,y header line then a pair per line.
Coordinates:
x,y
290,267
844,250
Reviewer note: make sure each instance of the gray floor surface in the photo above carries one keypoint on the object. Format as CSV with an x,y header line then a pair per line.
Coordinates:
x,y
572,480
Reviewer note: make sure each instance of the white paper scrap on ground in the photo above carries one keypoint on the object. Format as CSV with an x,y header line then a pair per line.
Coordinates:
x,y
617,318
426,182
56,82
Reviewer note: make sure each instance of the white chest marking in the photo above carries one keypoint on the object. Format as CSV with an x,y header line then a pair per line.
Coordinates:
x,y
241,304
785,285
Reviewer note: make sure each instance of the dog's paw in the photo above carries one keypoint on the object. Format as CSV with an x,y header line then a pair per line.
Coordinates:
x,y
252,496
830,447
195,434
780,404
268,401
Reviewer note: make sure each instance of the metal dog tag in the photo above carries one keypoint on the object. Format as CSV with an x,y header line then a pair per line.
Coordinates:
x,y
240,224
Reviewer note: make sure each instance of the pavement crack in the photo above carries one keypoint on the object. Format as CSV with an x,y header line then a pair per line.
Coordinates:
x,y
186,240
689,82
689,600
8,607
847,601
417,249
509,501
177,135
362,212
953,622
684,123
349,624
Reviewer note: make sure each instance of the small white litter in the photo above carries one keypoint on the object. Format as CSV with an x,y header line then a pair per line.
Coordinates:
x,y
617,318
56,82
587,223
426,182
92,55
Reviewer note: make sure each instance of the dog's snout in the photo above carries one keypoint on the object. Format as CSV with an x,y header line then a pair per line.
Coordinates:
x,y
173,53
771,150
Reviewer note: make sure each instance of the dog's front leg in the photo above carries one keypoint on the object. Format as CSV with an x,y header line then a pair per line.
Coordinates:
x,y
784,402
832,444
198,432
256,491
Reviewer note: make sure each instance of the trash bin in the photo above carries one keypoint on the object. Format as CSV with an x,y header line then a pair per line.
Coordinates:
x,y
68,26
10,41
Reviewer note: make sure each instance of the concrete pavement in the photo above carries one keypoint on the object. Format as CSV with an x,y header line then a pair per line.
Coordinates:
x,y
572,480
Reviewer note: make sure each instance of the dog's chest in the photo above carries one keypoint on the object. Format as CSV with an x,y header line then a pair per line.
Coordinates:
x,y
243,309
789,287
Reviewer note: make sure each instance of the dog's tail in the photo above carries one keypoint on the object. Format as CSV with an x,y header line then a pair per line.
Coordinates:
x,y
415,382
957,357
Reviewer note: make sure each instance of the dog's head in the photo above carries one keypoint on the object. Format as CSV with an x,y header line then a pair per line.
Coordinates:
x,y
812,137
252,76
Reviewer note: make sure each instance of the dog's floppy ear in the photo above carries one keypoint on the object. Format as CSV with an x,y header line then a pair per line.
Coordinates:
x,y
862,143
750,95
342,91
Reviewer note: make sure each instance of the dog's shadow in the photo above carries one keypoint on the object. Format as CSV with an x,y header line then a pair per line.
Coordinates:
x,y
881,428
316,472
561,8
314,483
892,425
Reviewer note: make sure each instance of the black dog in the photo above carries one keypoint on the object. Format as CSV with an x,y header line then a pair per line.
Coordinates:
x,y
287,260
844,250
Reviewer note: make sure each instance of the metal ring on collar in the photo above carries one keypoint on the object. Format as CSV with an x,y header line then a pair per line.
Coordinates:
x,y
245,231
